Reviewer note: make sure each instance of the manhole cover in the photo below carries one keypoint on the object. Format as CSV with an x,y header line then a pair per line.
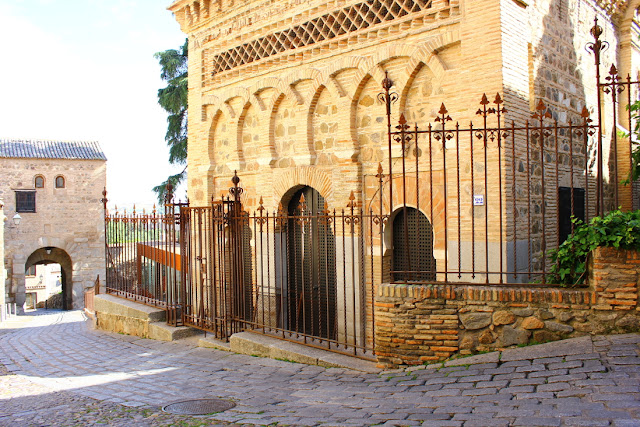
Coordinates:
x,y
198,406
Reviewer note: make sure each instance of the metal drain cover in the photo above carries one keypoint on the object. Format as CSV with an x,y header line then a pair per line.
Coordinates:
x,y
198,406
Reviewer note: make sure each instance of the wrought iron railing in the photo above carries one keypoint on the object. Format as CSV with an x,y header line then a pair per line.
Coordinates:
x,y
143,255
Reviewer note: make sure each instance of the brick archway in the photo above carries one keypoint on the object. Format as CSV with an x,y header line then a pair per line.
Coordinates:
x,y
53,255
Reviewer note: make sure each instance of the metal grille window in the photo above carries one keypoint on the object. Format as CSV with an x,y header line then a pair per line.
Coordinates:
x,y
25,201
326,27
412,247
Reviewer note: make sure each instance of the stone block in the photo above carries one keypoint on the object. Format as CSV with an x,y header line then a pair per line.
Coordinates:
x,y
110,304
513,336
532,323
503,317
472,321
558,327
522,312
162,332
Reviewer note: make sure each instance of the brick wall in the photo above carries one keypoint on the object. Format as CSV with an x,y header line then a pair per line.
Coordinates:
x,y
421,324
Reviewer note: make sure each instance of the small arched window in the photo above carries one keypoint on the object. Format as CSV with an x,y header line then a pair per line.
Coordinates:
x,y
60,181
39,181
413,259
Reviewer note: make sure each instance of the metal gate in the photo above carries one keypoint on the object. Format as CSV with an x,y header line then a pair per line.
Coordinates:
x,y
216,274
297,274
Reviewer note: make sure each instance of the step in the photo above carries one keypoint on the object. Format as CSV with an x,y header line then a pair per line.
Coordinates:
x,y
115,306
264,346
162,332
210,341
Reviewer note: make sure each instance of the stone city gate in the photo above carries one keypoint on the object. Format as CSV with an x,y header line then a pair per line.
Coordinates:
x,y
452,203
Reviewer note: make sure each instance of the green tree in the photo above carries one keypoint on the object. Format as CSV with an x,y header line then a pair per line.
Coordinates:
x,y
173,99
634,173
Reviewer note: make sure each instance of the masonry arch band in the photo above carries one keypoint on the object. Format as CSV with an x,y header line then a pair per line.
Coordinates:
x,y
451,202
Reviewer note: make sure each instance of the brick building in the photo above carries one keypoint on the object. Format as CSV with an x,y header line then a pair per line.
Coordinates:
x,y
55,188
343,196
285,91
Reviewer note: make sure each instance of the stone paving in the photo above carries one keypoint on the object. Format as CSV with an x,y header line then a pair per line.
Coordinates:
x,y
58,371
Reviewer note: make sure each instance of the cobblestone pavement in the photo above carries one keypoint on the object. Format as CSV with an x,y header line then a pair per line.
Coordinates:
x,y
58,371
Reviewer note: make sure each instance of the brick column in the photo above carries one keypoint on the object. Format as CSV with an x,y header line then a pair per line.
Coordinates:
x,y
614,274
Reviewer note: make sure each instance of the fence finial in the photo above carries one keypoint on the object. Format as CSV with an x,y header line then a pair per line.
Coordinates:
x,y
168,196
352,201
236,191
302,205
597,46
585,113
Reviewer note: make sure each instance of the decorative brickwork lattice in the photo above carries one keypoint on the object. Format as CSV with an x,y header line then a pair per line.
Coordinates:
x,y
347,20
613,7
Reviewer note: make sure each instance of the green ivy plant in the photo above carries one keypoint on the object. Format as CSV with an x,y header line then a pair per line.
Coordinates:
x,y
617,229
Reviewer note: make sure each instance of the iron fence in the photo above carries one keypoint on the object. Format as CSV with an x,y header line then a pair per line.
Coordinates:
x,y
300,275
143,259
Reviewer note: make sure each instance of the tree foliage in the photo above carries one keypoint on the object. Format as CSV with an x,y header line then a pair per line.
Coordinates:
x,y
173,99
634,173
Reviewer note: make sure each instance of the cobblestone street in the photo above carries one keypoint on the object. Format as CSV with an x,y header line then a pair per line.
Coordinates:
x,y
58,371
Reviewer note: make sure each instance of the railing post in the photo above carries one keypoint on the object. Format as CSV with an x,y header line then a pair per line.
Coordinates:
x,y
597,46
104,201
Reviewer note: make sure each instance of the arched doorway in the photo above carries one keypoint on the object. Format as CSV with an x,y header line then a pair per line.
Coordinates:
x,y
52,255
413,258
310,293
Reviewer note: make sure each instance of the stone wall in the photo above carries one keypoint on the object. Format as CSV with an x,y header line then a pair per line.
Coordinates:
x,y
421,324
3,277
69,219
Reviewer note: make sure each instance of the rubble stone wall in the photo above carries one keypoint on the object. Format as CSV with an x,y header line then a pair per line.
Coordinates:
x,y
418,324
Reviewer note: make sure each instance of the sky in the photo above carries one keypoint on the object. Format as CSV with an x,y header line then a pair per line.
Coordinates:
x,y
84,70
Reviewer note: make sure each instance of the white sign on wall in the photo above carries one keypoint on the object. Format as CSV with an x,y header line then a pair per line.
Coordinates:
x,y
478,200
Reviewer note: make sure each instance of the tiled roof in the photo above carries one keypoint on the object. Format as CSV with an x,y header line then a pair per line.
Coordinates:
x,y
39,149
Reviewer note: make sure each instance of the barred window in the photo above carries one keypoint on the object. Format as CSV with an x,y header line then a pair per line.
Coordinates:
x,y
25,201
413,259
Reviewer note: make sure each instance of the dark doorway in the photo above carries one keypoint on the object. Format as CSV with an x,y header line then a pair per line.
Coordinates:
x,y
311,270
567,209
413,258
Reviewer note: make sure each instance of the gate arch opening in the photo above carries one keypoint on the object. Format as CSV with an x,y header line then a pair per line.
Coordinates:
x,y
308,294
53,255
